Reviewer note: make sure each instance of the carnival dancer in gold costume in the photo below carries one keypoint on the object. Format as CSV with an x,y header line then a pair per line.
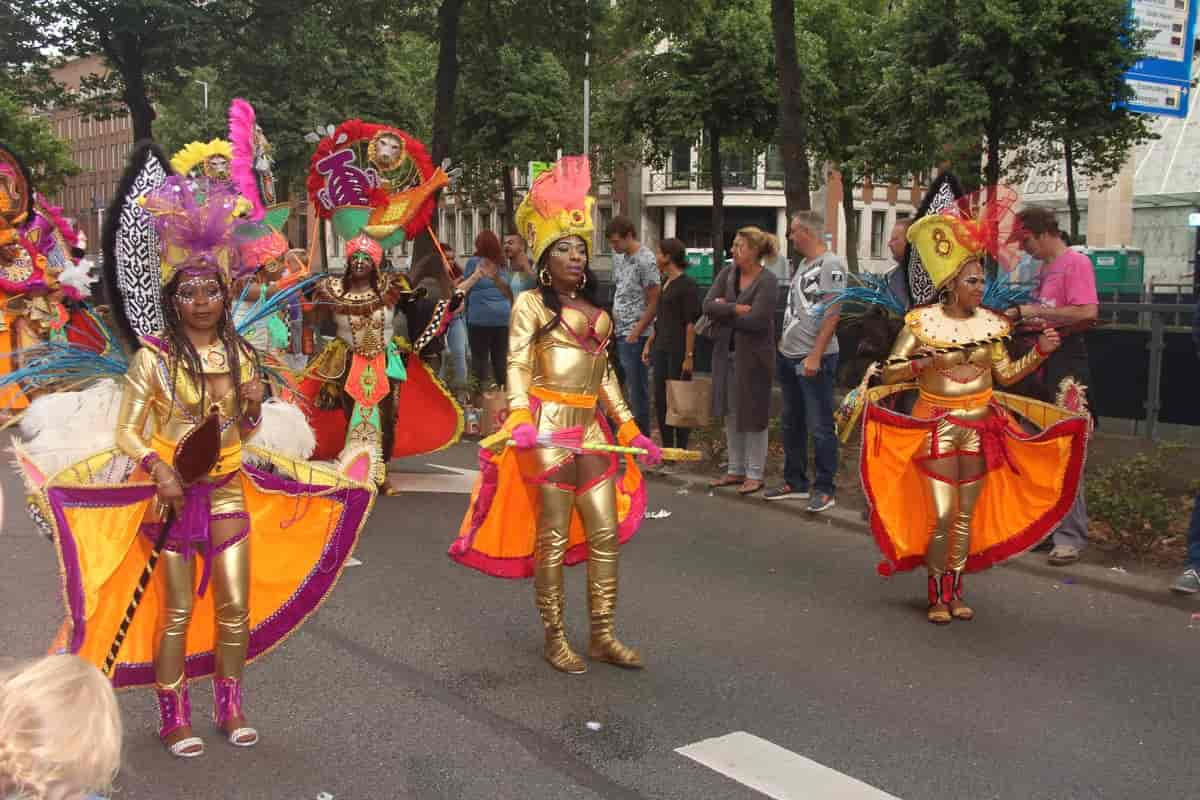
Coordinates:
x,y
973,476
273,531
547,499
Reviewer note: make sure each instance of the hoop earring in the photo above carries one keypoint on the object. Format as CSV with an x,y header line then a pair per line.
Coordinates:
x,y
544,276
944,297
583,280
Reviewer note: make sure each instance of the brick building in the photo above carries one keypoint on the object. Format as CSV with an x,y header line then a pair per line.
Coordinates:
x,y
99,147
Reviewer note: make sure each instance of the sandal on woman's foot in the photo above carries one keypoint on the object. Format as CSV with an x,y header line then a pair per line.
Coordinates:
x,y
727,480
750,486
939,614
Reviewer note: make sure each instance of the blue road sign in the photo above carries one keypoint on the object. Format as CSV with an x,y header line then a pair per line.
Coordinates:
x,y
1161,82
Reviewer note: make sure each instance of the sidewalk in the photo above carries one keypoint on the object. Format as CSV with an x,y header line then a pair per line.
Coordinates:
x,y
1149,585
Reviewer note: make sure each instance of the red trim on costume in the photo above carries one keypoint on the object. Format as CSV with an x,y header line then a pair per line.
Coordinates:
x,y
1017,545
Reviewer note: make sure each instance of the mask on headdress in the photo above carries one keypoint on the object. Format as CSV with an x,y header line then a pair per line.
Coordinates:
x,y
558,206
204,160
374,179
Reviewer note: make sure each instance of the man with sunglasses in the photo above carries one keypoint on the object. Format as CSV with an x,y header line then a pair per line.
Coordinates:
x,y
1066,299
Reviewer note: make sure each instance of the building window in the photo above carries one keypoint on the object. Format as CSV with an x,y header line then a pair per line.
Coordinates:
x,y
774,167
448,232
878,225
468,229
681,166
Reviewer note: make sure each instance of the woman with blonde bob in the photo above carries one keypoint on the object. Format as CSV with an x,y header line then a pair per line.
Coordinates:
x,y
60,730
741,304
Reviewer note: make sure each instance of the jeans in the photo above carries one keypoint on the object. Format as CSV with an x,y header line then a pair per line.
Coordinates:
x,y
637,381
808,410
454,358
747,449
667,367
1194,536
488,343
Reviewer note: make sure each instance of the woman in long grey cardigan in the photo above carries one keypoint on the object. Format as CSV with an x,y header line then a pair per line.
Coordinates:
x,y
741,304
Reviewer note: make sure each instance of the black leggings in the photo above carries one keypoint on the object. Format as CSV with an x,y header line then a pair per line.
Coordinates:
x,y
667,367
488,342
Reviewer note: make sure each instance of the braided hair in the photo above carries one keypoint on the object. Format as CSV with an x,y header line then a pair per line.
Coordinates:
x,y
182,352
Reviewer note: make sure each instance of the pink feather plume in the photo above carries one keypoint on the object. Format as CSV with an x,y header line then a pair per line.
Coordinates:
x,y
563,187
241,134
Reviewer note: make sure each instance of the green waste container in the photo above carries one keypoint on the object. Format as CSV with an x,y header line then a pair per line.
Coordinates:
x,y
1118,269
700,265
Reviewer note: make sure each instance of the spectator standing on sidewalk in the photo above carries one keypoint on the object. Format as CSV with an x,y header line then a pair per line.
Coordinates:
x,y
520,270
741,304
671,347
1189,581
489,305
635,302
1065,297
806,364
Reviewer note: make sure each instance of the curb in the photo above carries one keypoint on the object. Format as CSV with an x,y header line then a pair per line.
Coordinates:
x,y
1093,576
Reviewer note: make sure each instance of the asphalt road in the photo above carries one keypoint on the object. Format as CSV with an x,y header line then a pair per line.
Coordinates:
x,y
422,679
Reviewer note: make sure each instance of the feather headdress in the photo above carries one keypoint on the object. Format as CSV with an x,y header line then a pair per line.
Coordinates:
x,y
197,237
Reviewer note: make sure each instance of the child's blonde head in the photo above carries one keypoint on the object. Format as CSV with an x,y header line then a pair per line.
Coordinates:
x,y
60,730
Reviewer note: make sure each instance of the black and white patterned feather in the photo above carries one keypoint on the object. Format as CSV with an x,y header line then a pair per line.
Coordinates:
x,y
131,250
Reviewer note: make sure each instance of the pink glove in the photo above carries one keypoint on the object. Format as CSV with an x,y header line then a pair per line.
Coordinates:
x,y
653,455
525,435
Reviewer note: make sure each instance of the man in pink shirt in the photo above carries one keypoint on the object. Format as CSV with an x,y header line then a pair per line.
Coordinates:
x,y
1065,297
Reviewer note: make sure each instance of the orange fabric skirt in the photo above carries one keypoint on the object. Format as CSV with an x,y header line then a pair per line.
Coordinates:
x,y
1029,487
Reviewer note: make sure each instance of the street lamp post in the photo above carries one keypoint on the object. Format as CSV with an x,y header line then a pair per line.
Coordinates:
x,y
205,85
587,81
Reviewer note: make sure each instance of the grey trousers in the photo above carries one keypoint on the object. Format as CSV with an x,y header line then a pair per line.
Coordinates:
x,y
747,449
1073,530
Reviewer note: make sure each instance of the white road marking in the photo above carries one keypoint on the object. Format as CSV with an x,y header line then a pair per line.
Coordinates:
x,y
452,480
775,771
353,562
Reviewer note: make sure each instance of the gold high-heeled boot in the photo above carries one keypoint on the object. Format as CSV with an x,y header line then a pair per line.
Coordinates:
x,y
604,645
553,523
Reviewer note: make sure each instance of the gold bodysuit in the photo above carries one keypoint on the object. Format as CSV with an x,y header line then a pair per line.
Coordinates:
x,y
956,389
566,368
149,395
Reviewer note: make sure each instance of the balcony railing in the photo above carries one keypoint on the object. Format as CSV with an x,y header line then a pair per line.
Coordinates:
x,y
701,181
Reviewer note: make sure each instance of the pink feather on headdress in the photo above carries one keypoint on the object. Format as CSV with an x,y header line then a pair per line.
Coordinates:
x,y
55,214
242,122
565,186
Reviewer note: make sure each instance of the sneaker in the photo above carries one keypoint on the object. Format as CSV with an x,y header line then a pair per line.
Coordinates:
x,y
1063,554
1188,582
784,492
820,501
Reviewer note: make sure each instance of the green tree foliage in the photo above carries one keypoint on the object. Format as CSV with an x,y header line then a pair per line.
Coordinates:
x,y
516,106
713,79
1006,73
34,142
836,38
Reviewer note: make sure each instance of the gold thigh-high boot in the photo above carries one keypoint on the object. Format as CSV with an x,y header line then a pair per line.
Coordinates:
x,y
230,586
945,505
598,508
960,546
554,523
176,575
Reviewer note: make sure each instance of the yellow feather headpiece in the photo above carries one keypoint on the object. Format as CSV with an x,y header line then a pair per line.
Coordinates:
x,y
200,154
946,242
558,206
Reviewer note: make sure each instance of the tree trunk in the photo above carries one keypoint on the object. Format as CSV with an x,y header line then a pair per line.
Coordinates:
x,y
718,197
445,88
851,213
992,170
793,143
446,81
509,222
141,110
1072,197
